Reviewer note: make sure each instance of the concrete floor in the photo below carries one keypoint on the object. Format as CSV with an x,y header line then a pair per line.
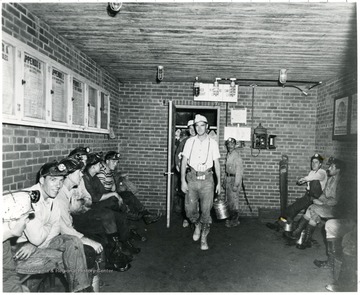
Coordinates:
x,y
248,258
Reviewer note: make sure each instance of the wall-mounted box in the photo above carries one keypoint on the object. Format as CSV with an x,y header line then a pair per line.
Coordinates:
x,y
207,93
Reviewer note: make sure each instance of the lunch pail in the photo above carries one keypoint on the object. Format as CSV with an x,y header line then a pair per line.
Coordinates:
x,y
221,209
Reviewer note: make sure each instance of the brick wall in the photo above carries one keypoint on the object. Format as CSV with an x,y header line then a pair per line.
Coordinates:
x,y
342,149
283,111
25,149
139,117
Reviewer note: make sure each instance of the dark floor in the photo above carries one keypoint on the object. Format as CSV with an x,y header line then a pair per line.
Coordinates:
x,y
247,258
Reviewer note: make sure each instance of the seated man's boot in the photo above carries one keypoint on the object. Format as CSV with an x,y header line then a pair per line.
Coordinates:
x,y
134,216
273,225
114,260
197,231
128,246
115,244
332,249
307,240
151,218
136,236
205,229
296,233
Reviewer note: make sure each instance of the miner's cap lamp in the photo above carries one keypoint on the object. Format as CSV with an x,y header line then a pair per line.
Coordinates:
x,y
230,140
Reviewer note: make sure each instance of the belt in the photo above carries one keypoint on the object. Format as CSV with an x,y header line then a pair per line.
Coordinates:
x,y
230,175
199,173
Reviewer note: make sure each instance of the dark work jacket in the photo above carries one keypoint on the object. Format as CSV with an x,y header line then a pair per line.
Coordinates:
x,y
94,187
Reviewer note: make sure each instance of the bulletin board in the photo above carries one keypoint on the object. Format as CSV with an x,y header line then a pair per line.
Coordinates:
x,y
8,76
59,96
34,87
78,99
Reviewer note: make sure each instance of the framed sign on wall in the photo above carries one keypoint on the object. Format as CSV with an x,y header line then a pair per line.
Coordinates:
x,y
345,118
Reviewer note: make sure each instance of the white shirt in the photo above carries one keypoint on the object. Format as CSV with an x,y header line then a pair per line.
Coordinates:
x,y
201,152
63,201
46,224
317,175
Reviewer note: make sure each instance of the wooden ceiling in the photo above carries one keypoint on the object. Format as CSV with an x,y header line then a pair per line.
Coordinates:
x,y
244,40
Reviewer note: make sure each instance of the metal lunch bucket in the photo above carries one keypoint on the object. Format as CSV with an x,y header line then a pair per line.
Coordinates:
x,y
221,209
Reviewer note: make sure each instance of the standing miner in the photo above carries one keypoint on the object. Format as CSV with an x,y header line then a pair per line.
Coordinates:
x,y
200,155
234,171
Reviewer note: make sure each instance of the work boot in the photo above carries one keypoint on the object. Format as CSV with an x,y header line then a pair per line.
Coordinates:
x,y
197,231
128,246
134,216
151,218
204,233
114,258
116,248
136,236
296,233
332,249
307,240
233,220
334,288
232,223
185,223
273,225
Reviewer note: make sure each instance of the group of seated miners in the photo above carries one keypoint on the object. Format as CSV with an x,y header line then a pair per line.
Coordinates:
x,y
322,204
80,209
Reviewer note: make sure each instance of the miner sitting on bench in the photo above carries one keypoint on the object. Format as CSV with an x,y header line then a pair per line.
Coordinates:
x,y
323,207
112,181
99,225
40,249
102,199
17,211
315,181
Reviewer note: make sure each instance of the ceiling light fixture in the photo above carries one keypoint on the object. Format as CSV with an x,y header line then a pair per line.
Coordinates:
x,y
283,76
113,8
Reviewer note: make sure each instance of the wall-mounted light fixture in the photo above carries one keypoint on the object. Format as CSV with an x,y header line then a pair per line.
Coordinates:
x,y
160,73
280,82
196,87
232,90
113,8
283,76
216,89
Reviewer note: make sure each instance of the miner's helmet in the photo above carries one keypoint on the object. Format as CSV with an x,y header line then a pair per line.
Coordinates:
x,y
230,140
318,157
53,169
190,123
72,164
200,118
339,164
79,151
112,155
93,159
17,204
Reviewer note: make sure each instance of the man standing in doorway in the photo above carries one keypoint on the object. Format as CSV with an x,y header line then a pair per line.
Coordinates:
x,y
200,155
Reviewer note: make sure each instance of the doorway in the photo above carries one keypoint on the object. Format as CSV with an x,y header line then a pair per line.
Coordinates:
x,y
181,116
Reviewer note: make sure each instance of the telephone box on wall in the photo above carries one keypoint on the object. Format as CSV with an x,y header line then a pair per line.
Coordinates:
x,y
260,137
